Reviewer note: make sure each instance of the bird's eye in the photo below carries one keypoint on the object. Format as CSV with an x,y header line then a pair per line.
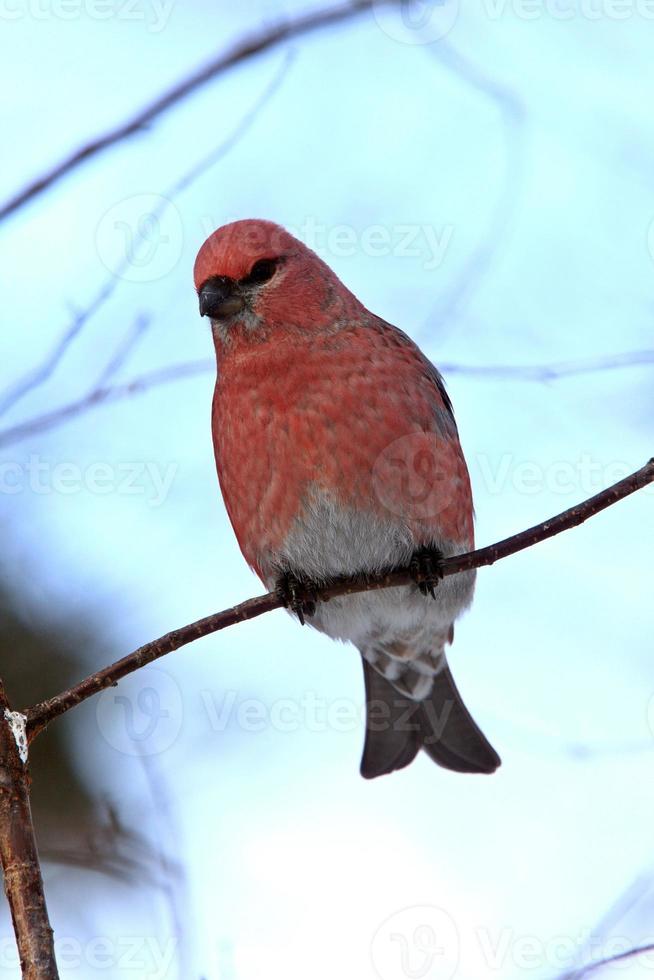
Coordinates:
x,y
262,271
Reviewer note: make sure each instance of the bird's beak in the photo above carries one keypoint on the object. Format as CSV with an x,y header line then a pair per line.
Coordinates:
x,y
219,298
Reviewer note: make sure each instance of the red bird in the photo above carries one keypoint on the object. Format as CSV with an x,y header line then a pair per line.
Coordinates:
x,y
337,453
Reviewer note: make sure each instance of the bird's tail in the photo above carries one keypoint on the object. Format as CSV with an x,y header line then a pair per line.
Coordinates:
x,y
397,727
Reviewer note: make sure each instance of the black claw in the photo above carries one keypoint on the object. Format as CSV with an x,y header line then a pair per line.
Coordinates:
x,y
426,570
298,597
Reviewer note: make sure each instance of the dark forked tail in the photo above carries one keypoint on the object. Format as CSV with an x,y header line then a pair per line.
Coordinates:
x,y
397,727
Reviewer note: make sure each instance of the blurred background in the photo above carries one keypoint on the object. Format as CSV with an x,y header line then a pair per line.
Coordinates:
x,y
481,176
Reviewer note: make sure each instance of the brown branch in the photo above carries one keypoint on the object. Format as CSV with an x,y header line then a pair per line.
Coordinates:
x,y
41,714
627,954
243,50
513,115
553,371
20,861
42,372
108,393
189,369
630,898
122,353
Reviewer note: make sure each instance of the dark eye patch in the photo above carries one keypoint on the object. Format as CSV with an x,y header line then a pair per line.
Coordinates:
x,y
261,271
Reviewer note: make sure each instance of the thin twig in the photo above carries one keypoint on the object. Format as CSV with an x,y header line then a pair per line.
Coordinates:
x,y
513,117
172,877
123,351
623,904
243,50
553,371
190,369
110,393
20,860
41,714
588,968
113,849
42,372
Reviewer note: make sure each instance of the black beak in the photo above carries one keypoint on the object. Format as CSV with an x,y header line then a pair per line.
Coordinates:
x,y
219,298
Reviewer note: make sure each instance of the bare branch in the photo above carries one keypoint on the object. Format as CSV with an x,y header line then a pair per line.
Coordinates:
x,y
513,115
553,371
172,879
178,372
100,396
41,714
241,128
243,50
588,968
111,848
39,375
623,904
125,348
20,861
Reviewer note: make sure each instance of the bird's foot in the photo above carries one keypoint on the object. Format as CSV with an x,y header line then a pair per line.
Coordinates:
x,y
298,596
426,569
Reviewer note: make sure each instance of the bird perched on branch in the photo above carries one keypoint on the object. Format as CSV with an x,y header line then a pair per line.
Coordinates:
x,y
338,453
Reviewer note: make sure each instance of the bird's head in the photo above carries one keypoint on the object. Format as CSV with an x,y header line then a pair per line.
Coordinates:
x,y
253,277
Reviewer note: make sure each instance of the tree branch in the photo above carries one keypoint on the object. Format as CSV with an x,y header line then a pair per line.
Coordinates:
x,y
243,50
20,861
627,954
555,370
629,899
178,372
123,351
42,372
41,714
513,115
106,393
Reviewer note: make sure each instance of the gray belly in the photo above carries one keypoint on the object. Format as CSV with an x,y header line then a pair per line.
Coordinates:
x,y
331,540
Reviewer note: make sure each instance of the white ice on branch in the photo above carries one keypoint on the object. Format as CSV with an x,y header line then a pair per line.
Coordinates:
x,y
18,724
